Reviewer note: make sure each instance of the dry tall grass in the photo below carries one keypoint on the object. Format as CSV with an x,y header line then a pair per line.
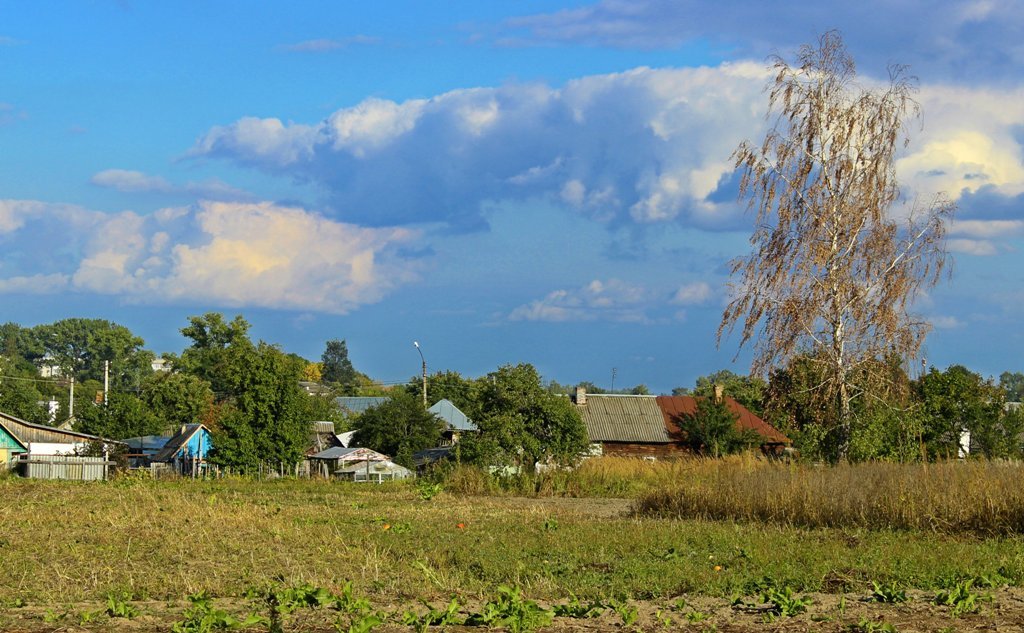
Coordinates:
x,y
977,497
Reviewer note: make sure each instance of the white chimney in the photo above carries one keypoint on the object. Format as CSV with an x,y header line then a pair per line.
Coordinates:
x,y
581,396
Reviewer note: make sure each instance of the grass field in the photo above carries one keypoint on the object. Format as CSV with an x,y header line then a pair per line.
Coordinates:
x,y
64,545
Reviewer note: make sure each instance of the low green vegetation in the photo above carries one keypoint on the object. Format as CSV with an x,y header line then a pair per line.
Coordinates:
x,y
160,540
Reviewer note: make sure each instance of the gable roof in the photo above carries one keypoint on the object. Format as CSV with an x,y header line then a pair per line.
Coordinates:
x,y
616,418
26,432
456,419
654,419
178,441
676,407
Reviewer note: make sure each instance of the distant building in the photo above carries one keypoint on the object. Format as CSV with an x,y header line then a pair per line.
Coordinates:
x,y
185,452
160,364
649,426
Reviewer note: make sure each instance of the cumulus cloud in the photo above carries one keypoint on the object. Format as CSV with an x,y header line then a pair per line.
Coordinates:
x,y
327,45
968,39
612,300
970,142
137,182
229,254
643,146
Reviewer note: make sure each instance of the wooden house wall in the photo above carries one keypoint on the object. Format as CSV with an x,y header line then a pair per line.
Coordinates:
x,y
623,449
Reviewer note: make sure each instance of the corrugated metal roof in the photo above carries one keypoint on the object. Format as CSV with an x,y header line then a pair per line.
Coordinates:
x,y
323,426
676,407
610,418
358,404
451,414
340,452
30,432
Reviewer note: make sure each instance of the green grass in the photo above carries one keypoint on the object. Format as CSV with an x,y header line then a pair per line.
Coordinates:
x,y
64,543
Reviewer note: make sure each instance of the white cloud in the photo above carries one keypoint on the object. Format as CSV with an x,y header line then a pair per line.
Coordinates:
x,y
264,142
986,228
696,293
639,146
137,182
612,300
228,254
945,322
972,247
34,284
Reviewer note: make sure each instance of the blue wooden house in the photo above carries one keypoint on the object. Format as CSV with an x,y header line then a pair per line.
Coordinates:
x,y
185,452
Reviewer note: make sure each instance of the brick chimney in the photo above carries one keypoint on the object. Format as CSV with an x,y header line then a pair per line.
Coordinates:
x,y
581,396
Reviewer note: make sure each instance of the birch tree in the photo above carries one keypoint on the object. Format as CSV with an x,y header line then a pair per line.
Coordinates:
x,y
838,256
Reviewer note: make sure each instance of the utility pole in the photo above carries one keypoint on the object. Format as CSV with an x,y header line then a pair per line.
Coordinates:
x,y
615,370
417,344
71,400
106,380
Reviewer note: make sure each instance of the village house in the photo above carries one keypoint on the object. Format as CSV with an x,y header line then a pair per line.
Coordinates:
x,y
48,452
185,452
649,426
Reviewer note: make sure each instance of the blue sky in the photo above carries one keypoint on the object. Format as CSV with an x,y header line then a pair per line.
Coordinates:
x,y
505,182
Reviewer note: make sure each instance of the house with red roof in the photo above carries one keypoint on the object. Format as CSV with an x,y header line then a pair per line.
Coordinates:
x,y
650,426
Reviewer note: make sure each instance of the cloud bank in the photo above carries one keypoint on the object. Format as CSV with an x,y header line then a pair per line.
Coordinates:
x,y
643,146
638,148
228,254
970,40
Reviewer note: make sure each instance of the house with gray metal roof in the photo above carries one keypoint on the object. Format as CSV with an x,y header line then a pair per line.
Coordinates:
x,y
649,426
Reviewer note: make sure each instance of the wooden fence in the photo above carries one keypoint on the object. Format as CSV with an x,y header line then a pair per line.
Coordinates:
x,y
64,467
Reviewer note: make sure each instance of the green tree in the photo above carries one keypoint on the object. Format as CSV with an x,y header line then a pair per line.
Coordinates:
x,y
447,385
521,424
1013,384
830,268
260,409
958,400
711,429
19,395
178,399
747,390
336,368
125,415
80,347
215,351
264,420
806,414
398,427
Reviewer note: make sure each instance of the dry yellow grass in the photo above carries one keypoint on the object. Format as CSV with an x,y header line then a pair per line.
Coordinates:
x,y
951,497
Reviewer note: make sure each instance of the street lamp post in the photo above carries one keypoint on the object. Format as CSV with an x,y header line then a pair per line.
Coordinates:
x,y
417,344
